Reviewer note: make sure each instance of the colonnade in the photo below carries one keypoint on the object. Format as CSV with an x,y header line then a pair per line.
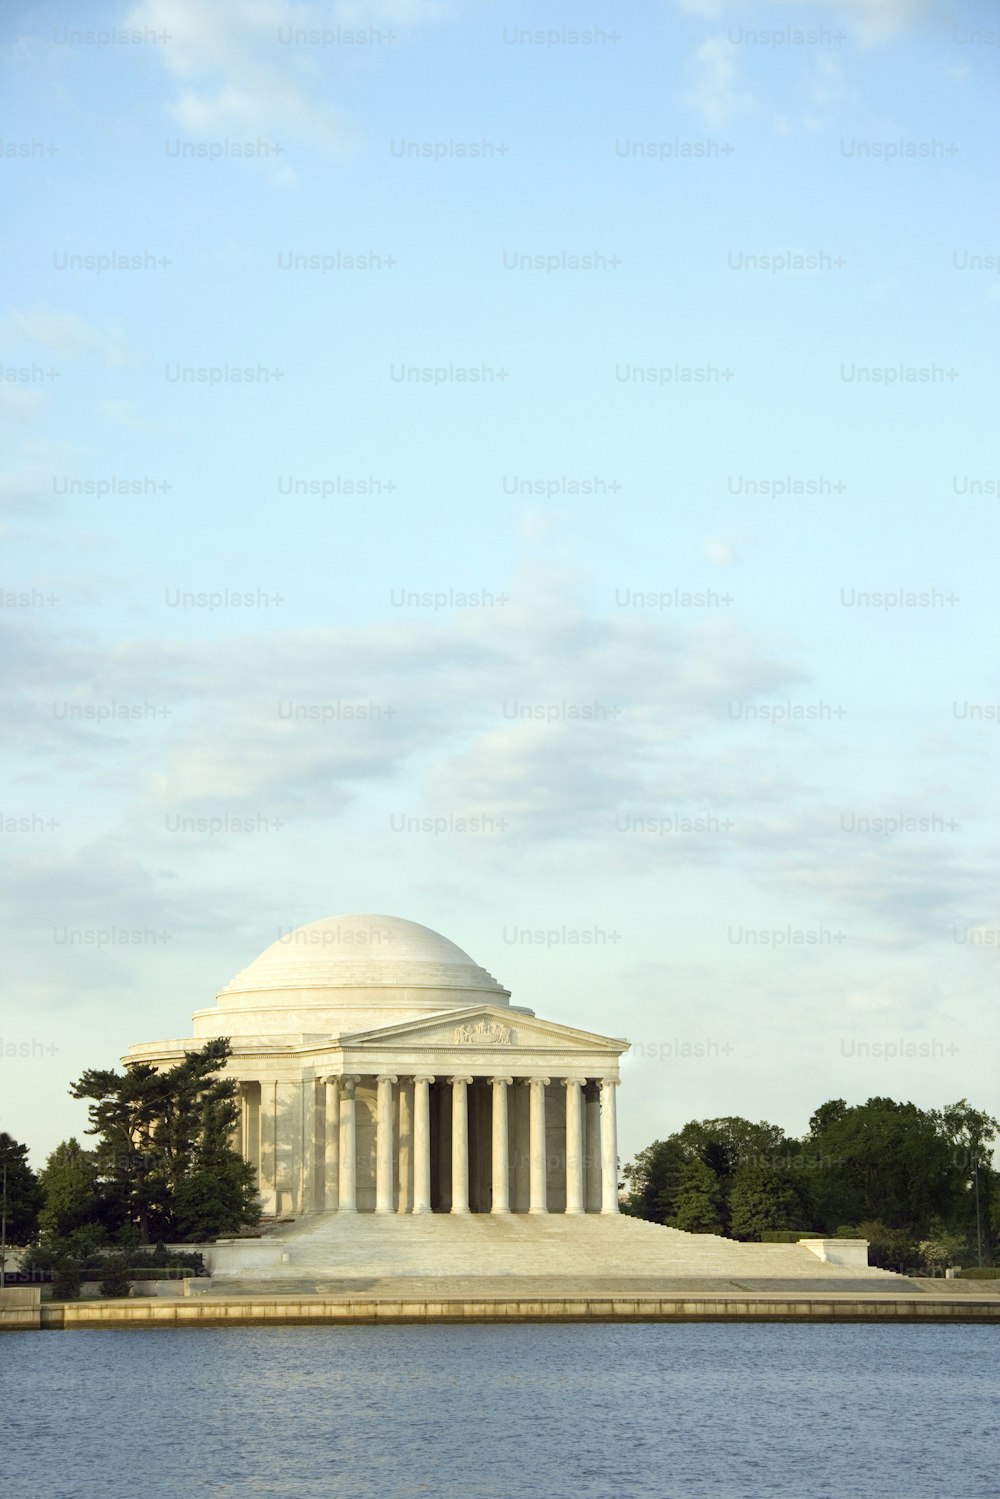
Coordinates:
x,y
585,1134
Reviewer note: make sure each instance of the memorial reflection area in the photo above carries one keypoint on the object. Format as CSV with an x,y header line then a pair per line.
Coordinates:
x,y
457,1102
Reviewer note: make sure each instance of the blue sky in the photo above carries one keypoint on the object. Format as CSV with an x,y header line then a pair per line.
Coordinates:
x,y
672,692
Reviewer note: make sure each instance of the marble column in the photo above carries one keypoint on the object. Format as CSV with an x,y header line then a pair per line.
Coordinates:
x,y
384,1161
404,1147
460,1144
591,1146
609,1147
518,1108
244,1096
331,1161
319,1143
536,1148
348,1148
501,1157
574,1146
268,1144
421,1144
307,1172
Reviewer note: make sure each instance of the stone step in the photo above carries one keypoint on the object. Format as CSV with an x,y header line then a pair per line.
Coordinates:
x,y
378,1246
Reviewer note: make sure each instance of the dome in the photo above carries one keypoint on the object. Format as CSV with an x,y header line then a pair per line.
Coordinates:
x,y
349,973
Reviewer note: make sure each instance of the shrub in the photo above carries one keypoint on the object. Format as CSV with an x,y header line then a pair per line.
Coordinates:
x,y
66,1279
981,1272
114,1279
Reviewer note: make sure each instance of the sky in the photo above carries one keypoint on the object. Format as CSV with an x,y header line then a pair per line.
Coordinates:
x,y
521,468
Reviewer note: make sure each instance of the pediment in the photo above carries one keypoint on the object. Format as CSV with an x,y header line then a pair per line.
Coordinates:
x,y
484,1027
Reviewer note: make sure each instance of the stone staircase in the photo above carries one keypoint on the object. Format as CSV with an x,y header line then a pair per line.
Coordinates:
x,y
586,1248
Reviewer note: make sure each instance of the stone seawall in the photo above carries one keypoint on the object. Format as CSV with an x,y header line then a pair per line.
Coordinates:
x,y
298,1310
20,1307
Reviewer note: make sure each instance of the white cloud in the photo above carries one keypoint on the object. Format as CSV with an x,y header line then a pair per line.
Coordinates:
x,y
557,721
21,405
126,413
715,92
719,551
871,21
237,76
67,334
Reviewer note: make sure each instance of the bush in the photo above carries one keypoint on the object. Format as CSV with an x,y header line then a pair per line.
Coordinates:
x,y
66,1279
114,1279
888,1248
162,1258
788,1235
980,1272
941,1249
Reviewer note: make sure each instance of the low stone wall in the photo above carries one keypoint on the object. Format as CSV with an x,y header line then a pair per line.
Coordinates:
x,y
302,1310
20,1307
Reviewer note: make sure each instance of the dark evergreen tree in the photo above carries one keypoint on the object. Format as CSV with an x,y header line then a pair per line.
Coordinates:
x,y
218,1194
24,1195
164,1151
652,1180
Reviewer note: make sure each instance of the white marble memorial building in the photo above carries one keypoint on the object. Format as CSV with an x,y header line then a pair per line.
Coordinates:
x,y
382,1071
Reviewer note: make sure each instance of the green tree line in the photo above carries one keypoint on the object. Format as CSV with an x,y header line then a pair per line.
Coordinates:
x,y
919,1184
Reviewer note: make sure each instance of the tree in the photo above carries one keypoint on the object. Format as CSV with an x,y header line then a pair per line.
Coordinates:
x,y
826,1115
652,1180
764,1198
126,1114
69,1183
24,1196
942,1248
728,1143
163,1148
970,1132
888,1248
219,1194
696,1200
889,1161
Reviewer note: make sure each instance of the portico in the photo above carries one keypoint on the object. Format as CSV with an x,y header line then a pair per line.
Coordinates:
x,y
464,1143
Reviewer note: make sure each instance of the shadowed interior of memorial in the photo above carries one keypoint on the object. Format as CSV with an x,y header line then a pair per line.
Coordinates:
x,y
381,1070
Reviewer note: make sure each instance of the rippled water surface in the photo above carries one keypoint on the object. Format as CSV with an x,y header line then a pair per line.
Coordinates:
x,y
672,1412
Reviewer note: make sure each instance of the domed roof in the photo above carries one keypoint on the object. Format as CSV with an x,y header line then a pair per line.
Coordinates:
x,y
364,953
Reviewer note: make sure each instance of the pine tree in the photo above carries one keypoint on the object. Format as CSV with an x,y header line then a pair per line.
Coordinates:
x,y
219,1194
164,1149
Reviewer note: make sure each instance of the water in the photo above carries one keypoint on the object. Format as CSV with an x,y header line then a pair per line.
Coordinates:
x,y
697,1411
